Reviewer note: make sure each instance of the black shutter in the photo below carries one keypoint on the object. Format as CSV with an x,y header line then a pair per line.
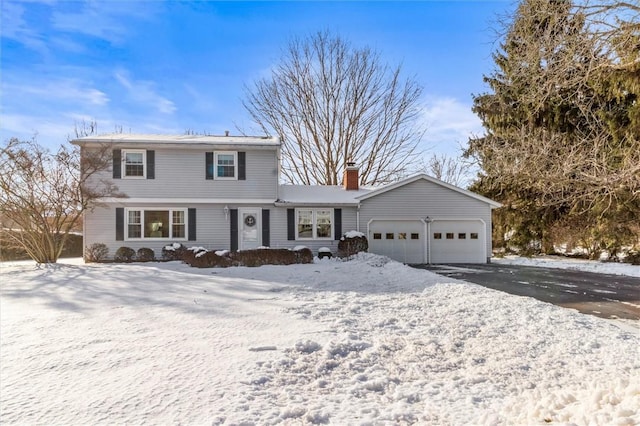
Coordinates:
x,y
192,224
208,167
291,224
234,229
151,164
119,223
337,223
242,166
266,225
117,164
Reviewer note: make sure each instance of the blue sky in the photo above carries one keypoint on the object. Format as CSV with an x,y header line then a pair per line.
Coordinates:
x,y
165,67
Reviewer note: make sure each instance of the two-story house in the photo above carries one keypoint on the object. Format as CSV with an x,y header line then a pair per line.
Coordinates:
x,y
224,192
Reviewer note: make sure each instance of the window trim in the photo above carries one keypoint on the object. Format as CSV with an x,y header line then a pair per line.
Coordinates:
x,y
142,223
314,223
124,153
216,154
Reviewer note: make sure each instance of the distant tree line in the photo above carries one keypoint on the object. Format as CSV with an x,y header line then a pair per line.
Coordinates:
x,y
562,117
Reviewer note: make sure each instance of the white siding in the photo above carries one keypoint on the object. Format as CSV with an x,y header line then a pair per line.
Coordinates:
x,y
421,198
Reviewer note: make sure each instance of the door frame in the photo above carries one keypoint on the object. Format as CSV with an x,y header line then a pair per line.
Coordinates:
x,y
257,211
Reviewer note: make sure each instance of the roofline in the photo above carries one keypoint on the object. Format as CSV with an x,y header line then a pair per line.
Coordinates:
x,y
177,140
493,204
315,204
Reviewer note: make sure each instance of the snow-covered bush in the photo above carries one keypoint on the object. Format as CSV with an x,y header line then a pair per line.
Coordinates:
x,y
175,251
198,257
96,252
124,254
351,243
261,257
303,255
145,254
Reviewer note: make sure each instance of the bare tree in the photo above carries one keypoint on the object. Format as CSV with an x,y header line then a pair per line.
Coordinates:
x,y
331,103
456,171
44,194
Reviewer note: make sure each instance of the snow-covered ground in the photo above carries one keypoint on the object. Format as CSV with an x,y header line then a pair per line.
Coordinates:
x,y
575,264
367,341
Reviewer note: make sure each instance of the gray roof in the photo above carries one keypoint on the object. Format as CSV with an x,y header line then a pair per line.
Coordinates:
x,y
315,195
153,139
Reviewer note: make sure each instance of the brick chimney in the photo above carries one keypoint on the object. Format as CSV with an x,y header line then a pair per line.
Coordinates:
x,y
351,177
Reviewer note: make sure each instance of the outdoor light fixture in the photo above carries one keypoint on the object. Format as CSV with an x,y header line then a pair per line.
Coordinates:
x,y
226,212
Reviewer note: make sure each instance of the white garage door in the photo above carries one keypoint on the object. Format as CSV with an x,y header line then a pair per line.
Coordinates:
x,y
457,241
401,240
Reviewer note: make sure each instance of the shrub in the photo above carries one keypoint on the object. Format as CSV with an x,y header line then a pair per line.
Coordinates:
x,y
304,255
124,254
261,257
352,243
175,251
145,255
633,257
206,259
96,252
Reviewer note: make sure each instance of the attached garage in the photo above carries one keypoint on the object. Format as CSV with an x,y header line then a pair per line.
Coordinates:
x,y
401,240
424,220
457,241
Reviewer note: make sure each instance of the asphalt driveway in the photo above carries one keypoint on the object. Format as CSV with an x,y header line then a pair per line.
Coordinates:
x,y
607,296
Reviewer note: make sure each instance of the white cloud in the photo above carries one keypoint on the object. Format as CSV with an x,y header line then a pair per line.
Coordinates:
x,y
72,90
449,124
144,92
15,27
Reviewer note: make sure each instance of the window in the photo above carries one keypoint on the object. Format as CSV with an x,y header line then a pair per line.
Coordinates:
x,y
449,235
462,236
314,224
473,235
225,163
170,223
134,161
415,236
402,235
377,236
437,235
389,235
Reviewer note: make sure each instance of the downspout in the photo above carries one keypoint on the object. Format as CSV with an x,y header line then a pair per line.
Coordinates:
x,y
358,218
428,221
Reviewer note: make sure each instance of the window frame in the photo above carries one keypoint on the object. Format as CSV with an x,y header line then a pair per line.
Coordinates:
x,y
124,174
314,223
170,210
216,155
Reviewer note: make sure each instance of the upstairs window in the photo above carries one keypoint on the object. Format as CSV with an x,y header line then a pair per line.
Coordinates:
x,y
225,165
134,161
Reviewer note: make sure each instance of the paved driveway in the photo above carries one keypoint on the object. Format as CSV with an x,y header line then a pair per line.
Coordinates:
x,y
607,296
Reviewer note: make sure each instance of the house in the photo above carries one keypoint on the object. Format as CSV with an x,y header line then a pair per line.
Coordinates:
x,y
224,192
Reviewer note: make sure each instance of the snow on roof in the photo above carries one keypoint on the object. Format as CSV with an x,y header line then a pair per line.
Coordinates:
x,y
179,139
383,189
318,194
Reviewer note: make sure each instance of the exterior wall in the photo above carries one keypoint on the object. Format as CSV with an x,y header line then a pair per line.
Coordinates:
x,y
181,174
279,230
212,228
419,199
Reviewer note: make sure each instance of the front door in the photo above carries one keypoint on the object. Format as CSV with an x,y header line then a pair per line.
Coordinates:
x,y
250,228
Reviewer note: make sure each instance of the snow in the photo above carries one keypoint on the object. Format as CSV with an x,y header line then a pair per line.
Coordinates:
x,y
324,250
368,341
314,195
573,264
353,234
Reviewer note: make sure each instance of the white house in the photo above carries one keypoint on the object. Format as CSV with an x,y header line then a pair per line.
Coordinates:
x,y
224,192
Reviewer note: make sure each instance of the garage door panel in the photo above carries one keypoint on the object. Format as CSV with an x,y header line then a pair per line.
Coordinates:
x,y
457,241
400,240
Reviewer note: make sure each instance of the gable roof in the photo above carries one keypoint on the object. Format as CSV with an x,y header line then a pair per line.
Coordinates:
x,y
317,195
182,140
422,176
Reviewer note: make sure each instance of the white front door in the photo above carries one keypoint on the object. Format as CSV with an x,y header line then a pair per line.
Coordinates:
x,y
250,228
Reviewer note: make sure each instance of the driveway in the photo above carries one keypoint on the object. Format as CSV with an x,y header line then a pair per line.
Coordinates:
x,y
607,296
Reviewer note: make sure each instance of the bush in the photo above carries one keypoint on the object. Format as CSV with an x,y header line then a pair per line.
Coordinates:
x,y
175,251
124,254
206,259
145,255
304,255
352,243
633,257
96,252
261,257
